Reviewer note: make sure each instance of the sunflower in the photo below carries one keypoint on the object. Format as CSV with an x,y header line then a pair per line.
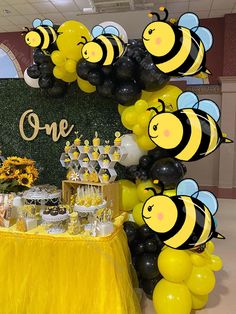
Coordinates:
x,y
13,161
25,180
32,170
27,162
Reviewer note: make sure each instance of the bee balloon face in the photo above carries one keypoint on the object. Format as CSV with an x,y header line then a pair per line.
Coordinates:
x,y
155,38
159,213
33,39
92,52
166,130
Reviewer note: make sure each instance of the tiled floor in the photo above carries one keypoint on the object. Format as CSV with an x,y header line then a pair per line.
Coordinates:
x,y
223,299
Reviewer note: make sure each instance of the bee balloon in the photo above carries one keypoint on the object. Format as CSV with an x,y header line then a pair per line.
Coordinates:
x,y
178,49
41,36
184,221
105,48
191,132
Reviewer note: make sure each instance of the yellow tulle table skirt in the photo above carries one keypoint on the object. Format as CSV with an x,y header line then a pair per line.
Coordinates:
x,y
62,274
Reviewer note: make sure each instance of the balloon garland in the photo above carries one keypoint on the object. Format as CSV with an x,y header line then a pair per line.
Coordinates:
x,y
135,74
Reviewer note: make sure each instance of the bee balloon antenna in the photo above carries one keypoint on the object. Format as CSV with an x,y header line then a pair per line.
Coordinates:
x,y
154,109
153,190
83,43
166,13
163,105
151,14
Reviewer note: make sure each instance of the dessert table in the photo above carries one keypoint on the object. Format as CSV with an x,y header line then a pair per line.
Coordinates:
x,y
58,274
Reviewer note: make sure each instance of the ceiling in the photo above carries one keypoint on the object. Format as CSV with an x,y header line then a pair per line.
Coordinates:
x,y
16,14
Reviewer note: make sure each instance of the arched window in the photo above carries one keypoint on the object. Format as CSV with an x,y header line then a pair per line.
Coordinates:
x,y
9,66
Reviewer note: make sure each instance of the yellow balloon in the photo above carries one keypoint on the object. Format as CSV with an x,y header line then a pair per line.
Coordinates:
x,y
145,143
198,260
172,298
71,35
143,195
201,281
70,66
85,86
128,195
144,119
146,95
121,108
69,77
141,106
210,247
169,94
216,263
138,130
199,301
59,72
128,117
169,192
137,214
174,265
58,58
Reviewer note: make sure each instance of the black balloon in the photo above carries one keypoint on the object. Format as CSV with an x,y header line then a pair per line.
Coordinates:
x,y
145,161
125,68
58,90
137,247
46,68
83,68
131,172
150,77
136,43
131,230
151,246
40,57
107,69
160,243
127,92
158,153
96,77
143,174
46,81
149,285
137,54
145,232
147,265
33,71
168,170
107,89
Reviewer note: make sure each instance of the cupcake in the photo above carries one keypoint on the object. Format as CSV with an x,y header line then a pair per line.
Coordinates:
x,y
107,147
105,162
86,146
85,162
77,140
75,155
105,178
117,141
116,155
67,147
86,176
67,162
96,140
95,154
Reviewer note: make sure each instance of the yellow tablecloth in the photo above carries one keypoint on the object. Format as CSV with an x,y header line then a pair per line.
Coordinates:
x,y
61,274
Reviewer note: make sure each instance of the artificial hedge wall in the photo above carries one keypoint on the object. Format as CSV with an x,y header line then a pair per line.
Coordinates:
x,y
88,112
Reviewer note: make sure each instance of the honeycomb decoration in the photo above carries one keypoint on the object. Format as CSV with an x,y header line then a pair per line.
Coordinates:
x,y
92,163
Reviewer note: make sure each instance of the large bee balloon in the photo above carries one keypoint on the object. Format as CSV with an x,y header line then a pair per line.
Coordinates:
x,y
178,49
41,36
191,132
184,221
105,48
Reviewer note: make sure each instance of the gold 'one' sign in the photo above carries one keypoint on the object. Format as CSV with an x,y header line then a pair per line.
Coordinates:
x,y
53,129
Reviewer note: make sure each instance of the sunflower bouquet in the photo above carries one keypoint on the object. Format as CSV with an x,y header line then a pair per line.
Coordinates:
x,y
17,174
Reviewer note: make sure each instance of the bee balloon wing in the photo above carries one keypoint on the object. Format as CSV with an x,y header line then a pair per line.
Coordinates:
x,y
97,30
210,107
47,23
205,35
188,20
208,199
111,30
187,187
37,23
187,100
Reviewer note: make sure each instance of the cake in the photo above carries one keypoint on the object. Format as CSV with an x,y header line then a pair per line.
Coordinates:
x,y
96,140
42,195
89,199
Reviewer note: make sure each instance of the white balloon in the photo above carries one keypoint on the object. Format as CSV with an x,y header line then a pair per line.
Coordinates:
x,y
30,81
134,152
123,35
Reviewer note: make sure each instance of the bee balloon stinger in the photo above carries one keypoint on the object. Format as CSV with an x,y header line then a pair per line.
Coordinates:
x,y
184,221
